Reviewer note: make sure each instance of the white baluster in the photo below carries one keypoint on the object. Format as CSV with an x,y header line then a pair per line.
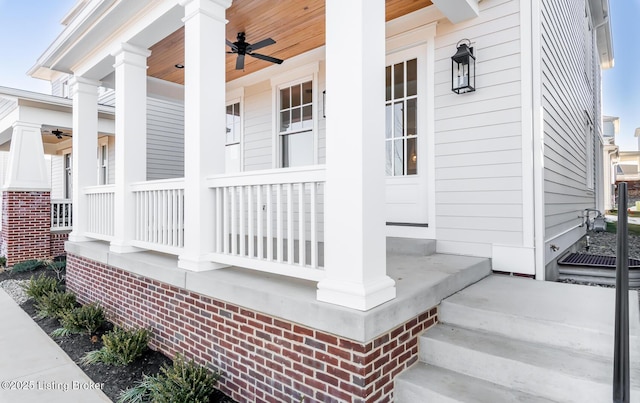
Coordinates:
x,y
290,234
269,223
259,219
302,247
313,225
226,219
279,222
250,221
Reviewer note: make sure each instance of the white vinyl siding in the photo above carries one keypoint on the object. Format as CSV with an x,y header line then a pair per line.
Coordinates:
x,y
56,86
165,139
107,96
6,106
257,127
478,136
568,93
57,177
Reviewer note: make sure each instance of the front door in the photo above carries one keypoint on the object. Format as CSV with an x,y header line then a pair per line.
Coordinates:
x,y
405,166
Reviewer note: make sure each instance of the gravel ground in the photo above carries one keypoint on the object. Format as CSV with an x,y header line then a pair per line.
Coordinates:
x,y
14,289
604,243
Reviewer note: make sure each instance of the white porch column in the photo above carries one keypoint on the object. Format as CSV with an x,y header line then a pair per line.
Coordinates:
x,y
131,139
85,143
204,122
26,169
355,254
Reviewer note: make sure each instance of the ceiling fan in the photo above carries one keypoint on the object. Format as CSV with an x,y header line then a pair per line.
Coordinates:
x,y
242,48
58,133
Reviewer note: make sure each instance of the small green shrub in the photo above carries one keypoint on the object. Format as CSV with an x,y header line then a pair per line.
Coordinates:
x,y
3,261
185,381
119,347
86,319
36,288
27,265
55,304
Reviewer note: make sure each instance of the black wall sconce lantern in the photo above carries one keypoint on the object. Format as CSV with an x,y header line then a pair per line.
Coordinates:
x,y
324,103
463,68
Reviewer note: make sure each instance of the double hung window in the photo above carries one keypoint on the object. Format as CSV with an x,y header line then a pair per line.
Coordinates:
x,y
295,124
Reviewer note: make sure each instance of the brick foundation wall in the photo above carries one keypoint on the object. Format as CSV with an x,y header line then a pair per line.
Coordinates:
x,y
57,243
263,358
26,224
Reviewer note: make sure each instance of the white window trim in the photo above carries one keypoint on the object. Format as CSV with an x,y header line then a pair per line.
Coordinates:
x,y
304,73
103,142
65,152
236,96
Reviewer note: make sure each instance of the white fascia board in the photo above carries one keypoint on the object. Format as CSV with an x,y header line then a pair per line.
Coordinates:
x,y
600,14
142,26
74,30
457,11
44,100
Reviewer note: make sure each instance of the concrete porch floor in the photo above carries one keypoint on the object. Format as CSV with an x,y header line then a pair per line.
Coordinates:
x,y
421,283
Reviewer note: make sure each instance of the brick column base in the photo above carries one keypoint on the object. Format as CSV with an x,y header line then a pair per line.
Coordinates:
x,y
26,226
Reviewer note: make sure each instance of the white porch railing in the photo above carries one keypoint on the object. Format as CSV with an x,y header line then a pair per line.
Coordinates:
x,y
61,215
100,214
159,216
271,221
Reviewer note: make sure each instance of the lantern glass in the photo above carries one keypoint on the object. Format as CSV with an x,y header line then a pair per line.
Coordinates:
x,y
463,70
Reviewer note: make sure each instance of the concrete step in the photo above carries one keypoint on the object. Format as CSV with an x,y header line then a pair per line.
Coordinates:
x,y
427,383
549,372
570,316
410,246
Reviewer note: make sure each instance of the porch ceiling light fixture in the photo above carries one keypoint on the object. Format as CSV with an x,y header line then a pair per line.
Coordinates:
x,y
463,68
179,66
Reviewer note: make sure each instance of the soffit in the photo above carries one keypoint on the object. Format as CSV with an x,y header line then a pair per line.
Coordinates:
x,y
297,26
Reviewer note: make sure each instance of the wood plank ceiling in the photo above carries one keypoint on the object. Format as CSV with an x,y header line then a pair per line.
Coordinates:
x,y
297,26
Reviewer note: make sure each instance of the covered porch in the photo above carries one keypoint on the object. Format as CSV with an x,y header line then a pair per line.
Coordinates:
x,y
322,222
281,273
35,171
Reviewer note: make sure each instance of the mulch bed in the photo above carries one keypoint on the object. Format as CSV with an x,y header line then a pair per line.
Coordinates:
x,y
114,378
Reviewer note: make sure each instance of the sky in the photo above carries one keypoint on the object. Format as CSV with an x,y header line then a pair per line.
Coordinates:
x,y
621,84
30,26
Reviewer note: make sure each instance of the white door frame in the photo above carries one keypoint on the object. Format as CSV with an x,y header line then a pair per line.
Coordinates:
x,y
419,42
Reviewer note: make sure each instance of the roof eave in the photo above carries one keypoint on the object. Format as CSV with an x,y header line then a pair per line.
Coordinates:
x,y
600,14
77,21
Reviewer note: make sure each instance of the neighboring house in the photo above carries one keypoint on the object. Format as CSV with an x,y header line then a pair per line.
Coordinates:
x,y
628,169
33,126
610,156
268,238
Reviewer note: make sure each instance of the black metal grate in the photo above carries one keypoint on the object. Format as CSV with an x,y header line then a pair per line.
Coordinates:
x,y
585,259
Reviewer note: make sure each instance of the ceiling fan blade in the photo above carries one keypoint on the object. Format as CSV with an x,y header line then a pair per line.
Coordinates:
x,y
240,62
267,58
231,45
261,44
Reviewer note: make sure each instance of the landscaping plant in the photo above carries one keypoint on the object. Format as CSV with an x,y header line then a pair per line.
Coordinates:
x,y
86,319
27,265
119,347
38,287
184,381
55,304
